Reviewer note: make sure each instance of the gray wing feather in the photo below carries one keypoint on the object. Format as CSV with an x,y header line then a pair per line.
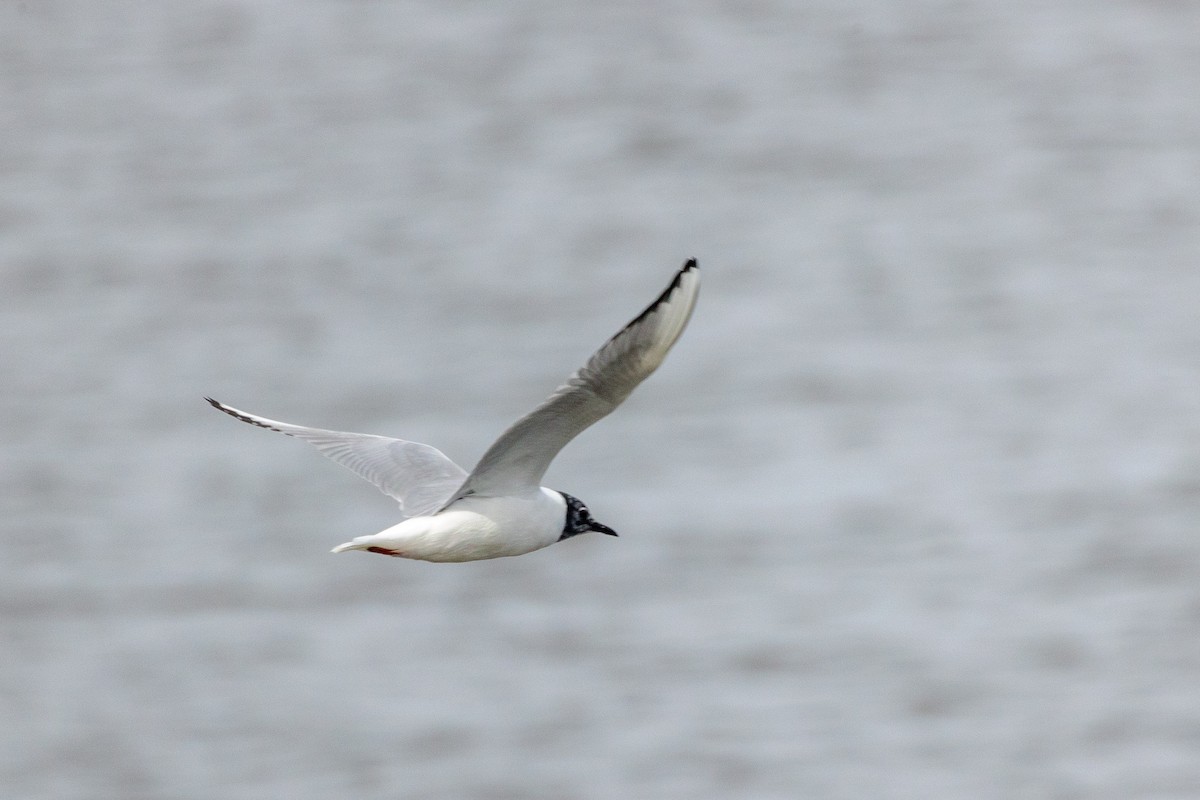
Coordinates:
x,y
420,477
519,458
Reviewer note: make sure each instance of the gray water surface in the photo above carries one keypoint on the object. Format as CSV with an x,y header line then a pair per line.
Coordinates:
x,y
910,512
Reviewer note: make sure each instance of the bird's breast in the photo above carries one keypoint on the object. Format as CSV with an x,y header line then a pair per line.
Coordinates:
x,y
476,528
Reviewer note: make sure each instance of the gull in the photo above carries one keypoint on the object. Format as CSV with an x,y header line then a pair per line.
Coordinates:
x,y
500,508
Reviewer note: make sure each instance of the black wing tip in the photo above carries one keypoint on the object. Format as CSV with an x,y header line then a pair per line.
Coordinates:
x,y
226,409
219,406
691,265
688,266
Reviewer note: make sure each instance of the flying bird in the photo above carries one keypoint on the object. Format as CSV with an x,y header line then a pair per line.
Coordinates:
x,y
500,508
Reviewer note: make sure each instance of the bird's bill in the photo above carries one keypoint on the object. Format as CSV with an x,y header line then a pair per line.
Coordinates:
x,y
598,528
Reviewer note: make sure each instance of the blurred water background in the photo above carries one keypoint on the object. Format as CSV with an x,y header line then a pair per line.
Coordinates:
x,y
910,512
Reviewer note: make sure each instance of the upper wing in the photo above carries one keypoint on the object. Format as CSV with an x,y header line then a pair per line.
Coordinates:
x,y
421,477
520,457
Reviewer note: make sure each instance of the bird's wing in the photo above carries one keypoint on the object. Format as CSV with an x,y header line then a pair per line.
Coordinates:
x,y
519,458
421,477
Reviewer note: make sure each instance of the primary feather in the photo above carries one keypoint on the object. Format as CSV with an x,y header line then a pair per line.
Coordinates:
x,y
519,458
420,477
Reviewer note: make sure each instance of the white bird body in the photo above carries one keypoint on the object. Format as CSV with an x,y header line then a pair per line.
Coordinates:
x,y
473,528
499,508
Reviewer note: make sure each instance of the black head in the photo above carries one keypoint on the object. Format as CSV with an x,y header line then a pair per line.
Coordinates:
x,y
579,519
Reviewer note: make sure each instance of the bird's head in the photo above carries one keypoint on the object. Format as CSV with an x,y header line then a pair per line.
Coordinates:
x,y
579,519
